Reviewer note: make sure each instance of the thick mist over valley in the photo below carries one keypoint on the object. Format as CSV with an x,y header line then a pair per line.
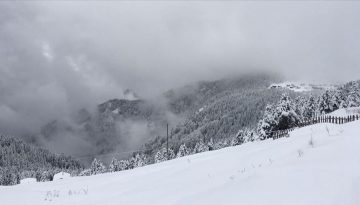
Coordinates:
x,y
90,78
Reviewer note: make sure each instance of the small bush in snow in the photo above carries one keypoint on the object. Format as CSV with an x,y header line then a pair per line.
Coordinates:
x,y
311,142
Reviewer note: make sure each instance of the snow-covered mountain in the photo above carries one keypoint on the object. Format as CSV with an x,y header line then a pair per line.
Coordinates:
x,y
301,87
318,164
19,160
122,124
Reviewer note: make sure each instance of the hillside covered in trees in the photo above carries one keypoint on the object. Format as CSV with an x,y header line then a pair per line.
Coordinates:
x,y
221,114
19,160
287,110
209,109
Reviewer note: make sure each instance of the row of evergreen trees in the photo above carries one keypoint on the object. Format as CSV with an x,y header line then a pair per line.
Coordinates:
x,y
163,154
289,112
142,159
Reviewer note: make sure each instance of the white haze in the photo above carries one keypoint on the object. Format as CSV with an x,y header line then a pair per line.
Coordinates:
x,y
58,57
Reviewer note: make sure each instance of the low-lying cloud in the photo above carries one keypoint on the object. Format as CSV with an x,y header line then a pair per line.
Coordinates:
x,y
58,57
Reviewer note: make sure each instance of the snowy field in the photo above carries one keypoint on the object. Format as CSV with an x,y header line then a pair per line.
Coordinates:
x,y
345,112
288,171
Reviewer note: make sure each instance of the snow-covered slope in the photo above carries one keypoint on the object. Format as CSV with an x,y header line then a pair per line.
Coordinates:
x,y
28,180
294,170
61,176
344,112
300,87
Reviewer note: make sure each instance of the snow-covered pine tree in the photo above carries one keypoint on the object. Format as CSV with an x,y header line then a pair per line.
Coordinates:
x,y
279,117
162,155
268,122
219,144
251,136
46,176
124,164
9,177
238,139
138,160
211,144
300,105
200,147
325,104
114,165
337,100
243,136
183,151
97,167
309,109
171,153
285,113
353,94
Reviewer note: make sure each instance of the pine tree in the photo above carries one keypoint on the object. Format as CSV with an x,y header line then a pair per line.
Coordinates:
x,y
114,165
285,114
251,136
243,136
300,106
325,102
211,144
171,153
238,139
309,109
163,155
200,147
337,100
279,117
97,167
353,95
139,160
124,165
183,151
267,124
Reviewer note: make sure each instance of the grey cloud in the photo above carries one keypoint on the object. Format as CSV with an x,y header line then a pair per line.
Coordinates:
x,y
57,57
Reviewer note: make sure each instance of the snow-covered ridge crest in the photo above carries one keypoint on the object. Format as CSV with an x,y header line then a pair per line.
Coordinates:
x,y
301,87
130,95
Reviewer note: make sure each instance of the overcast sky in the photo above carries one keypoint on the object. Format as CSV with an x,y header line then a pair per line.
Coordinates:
x,y
56,57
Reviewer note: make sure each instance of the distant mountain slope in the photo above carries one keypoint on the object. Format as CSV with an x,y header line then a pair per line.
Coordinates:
x,y
120,122
20,160
219,109
210,109
117,124
190,98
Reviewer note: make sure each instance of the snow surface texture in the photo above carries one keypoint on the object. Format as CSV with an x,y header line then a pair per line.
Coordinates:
x,y
316,165
345,112
299,87
61,175
28,180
